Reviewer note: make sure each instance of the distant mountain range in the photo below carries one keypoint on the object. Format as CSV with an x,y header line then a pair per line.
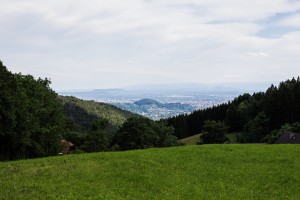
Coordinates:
x,y
144,91
166,100
203,88
156,110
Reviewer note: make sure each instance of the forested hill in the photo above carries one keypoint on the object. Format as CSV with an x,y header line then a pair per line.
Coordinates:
x,y
83,112
34,122
31,117
258,117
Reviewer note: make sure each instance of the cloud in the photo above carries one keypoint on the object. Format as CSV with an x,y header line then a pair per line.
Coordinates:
x,y
257,54
114,43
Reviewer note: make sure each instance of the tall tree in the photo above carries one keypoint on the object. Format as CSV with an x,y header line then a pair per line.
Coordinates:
x,y
141,133
31,117
213,132
97,138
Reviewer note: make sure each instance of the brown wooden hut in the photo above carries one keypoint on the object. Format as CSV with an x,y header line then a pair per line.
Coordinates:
x,y
67,146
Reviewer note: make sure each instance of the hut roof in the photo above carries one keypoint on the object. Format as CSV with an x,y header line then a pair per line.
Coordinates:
x,y
66,146
289,138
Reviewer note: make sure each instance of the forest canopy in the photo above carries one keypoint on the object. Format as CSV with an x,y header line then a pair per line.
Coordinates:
x,y
256,117
34,121
31,117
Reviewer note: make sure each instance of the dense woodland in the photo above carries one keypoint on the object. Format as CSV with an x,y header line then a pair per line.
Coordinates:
x,y
31,117
260,117
34,120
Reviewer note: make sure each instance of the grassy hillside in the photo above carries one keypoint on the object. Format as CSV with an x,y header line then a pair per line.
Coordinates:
x,y
189,172
83,112
192,140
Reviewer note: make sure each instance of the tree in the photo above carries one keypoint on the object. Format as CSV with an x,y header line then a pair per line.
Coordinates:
x,y
97,138
31,118
233,118
166,137
140,133
275,134
256,129
136,133
8,122
213,132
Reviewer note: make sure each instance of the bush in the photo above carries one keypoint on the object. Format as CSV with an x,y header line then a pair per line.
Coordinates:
x,y
213,132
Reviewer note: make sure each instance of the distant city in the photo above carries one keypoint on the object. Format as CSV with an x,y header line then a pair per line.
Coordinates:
x,y
164,101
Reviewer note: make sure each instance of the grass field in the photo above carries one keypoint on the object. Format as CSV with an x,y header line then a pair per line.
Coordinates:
x,y
189,172
192,140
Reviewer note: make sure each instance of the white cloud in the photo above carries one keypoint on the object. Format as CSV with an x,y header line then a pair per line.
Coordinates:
x,y
258,54
111,43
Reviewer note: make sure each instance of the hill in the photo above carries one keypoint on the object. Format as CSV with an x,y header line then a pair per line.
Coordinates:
x,y
144,102
156,110
83,112
192,140
189,172
258,117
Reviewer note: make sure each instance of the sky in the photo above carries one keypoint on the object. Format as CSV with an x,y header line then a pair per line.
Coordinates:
x,y
88,44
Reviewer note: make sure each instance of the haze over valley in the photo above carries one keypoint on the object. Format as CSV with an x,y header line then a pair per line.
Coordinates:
x,y
169,100
149,99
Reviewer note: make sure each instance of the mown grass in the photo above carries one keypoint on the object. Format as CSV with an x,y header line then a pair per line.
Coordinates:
x,y
192,140
188,172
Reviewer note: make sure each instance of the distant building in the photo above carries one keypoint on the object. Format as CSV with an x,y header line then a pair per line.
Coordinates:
x,y
67,146
289,138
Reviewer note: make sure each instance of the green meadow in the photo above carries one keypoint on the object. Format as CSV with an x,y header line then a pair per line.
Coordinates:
x,y
230,171
192,140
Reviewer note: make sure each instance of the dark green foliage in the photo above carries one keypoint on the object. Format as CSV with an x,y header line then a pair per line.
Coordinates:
x,y
241,110
282,104
31,117
166,137
180,125
79,116
91,125
187,125
82,113
76,137
141,133
275,134
256,129
255,116
213,132
97,139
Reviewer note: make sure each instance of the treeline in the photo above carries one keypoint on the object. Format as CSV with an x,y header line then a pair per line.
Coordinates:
x,y
31,117
94,127
257,117
84,112
34,120
136,133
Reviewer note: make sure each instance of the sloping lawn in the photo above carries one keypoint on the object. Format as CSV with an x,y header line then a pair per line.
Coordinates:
x,y
189,172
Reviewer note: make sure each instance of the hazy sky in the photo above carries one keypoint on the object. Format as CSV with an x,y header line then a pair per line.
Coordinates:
x,y
84,44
